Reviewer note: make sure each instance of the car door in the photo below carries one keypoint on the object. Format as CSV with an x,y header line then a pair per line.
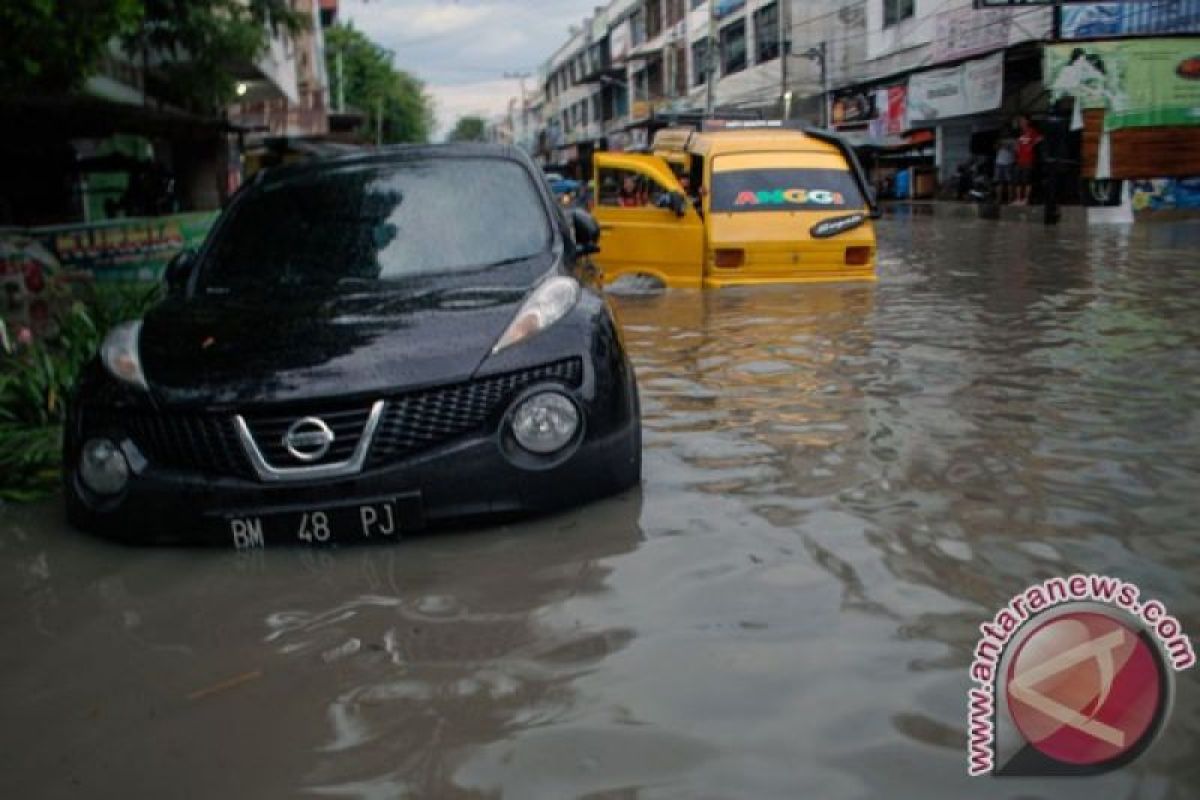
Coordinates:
x,y
640,233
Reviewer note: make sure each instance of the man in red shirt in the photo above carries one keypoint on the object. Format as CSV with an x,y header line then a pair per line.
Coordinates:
x,y
1027,142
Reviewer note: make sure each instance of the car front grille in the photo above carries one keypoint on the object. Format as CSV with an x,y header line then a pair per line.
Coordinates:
x,y
209,443
424,419
347,425
191,442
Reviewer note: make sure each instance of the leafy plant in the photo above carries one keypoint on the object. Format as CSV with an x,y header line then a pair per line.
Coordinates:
x,y
36,380
393,101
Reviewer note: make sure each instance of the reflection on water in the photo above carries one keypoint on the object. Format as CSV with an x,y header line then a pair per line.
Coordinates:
x,y
841,483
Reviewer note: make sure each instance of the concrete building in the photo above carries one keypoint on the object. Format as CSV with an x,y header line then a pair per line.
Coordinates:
x,y
290,95
921,87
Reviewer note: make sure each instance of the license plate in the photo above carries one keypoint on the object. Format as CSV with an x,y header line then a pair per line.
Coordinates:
x,y
371,520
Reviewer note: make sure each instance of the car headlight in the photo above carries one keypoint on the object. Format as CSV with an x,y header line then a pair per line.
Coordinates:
x,y
102,466
546,306
545,422
119,352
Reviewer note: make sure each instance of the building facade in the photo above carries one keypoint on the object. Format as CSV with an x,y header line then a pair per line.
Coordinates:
x,y
921,87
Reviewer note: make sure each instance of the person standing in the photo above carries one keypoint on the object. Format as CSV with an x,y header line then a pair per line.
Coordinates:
x,y
1003,174
1027,141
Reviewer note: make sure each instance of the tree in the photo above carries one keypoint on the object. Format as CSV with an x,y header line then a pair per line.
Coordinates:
x,y
196,45
468,129
192,47
393,101
52,46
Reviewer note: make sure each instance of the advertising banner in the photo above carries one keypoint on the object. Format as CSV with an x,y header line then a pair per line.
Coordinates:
x,y
897,109
851,107
137,248
1139,83
1106,20
967,32
970,88
1165,194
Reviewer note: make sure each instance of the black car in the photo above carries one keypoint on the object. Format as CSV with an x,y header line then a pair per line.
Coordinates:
x,y
364,346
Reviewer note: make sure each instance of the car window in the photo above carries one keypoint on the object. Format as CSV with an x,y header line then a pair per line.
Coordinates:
x,y
628,188
386,223
787,189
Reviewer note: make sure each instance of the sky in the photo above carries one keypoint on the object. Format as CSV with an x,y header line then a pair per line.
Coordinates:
x,y
463,48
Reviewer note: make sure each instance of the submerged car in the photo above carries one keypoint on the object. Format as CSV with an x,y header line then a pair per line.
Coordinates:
x,y
735,204
360,349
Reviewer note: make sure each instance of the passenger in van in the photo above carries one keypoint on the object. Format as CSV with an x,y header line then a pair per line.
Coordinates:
x,y
630,196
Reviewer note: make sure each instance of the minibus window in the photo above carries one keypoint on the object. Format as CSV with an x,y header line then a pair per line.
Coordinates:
x,y
787,189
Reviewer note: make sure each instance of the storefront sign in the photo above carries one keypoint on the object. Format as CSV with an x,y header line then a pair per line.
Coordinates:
x,y
643,109
1139,83
966,32
125,249
1104,20
1166,194
897,109
970,88
853,107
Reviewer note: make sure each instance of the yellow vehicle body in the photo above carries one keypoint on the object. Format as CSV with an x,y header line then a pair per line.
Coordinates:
x,y
767,203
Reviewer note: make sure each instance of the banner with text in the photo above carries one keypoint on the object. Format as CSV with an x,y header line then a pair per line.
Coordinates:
x,y
1139,82
972,87
1103,20
966,32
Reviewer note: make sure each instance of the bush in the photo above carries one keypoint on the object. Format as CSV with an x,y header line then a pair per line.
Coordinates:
x,y
36,380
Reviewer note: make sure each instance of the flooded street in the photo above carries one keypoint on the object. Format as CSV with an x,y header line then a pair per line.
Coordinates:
x,y
841,483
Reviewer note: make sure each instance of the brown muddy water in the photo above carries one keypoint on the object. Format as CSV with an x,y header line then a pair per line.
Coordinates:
x,y
841,483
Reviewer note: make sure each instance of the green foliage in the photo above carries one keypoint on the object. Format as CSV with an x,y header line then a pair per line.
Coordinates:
x,y
36,381
371,85
468,129
51,46
197,45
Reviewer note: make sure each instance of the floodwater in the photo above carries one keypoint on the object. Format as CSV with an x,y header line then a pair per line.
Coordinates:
x,y
841,483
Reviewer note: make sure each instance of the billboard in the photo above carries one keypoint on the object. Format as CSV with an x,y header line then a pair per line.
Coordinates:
x,y
965,32
970,88
1106,20
1138,82
135,248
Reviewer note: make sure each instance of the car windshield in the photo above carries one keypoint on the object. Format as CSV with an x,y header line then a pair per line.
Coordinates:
x,y
371,223
787,189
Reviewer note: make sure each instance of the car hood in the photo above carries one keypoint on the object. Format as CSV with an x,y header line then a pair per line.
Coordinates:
x,y
280,349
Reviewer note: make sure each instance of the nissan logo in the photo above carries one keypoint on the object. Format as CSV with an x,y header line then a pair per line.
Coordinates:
x,y
308,439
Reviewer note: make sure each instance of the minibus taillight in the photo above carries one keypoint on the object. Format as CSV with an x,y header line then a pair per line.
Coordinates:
x,y
858,256
729,258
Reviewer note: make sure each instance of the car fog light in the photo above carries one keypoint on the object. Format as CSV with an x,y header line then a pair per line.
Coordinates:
x,y
545,422
103,467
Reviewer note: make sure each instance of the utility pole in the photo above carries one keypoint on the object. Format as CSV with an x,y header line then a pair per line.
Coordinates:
x,y
1054,144
785,44
711,57
520,78
379,121
341,79
819,54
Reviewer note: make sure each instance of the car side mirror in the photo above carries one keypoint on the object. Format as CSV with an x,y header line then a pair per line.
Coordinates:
x,y
179,269
873,203
587,232
673,201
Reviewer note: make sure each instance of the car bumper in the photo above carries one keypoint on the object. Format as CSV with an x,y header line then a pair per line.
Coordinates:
x,y
481,473
470,478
